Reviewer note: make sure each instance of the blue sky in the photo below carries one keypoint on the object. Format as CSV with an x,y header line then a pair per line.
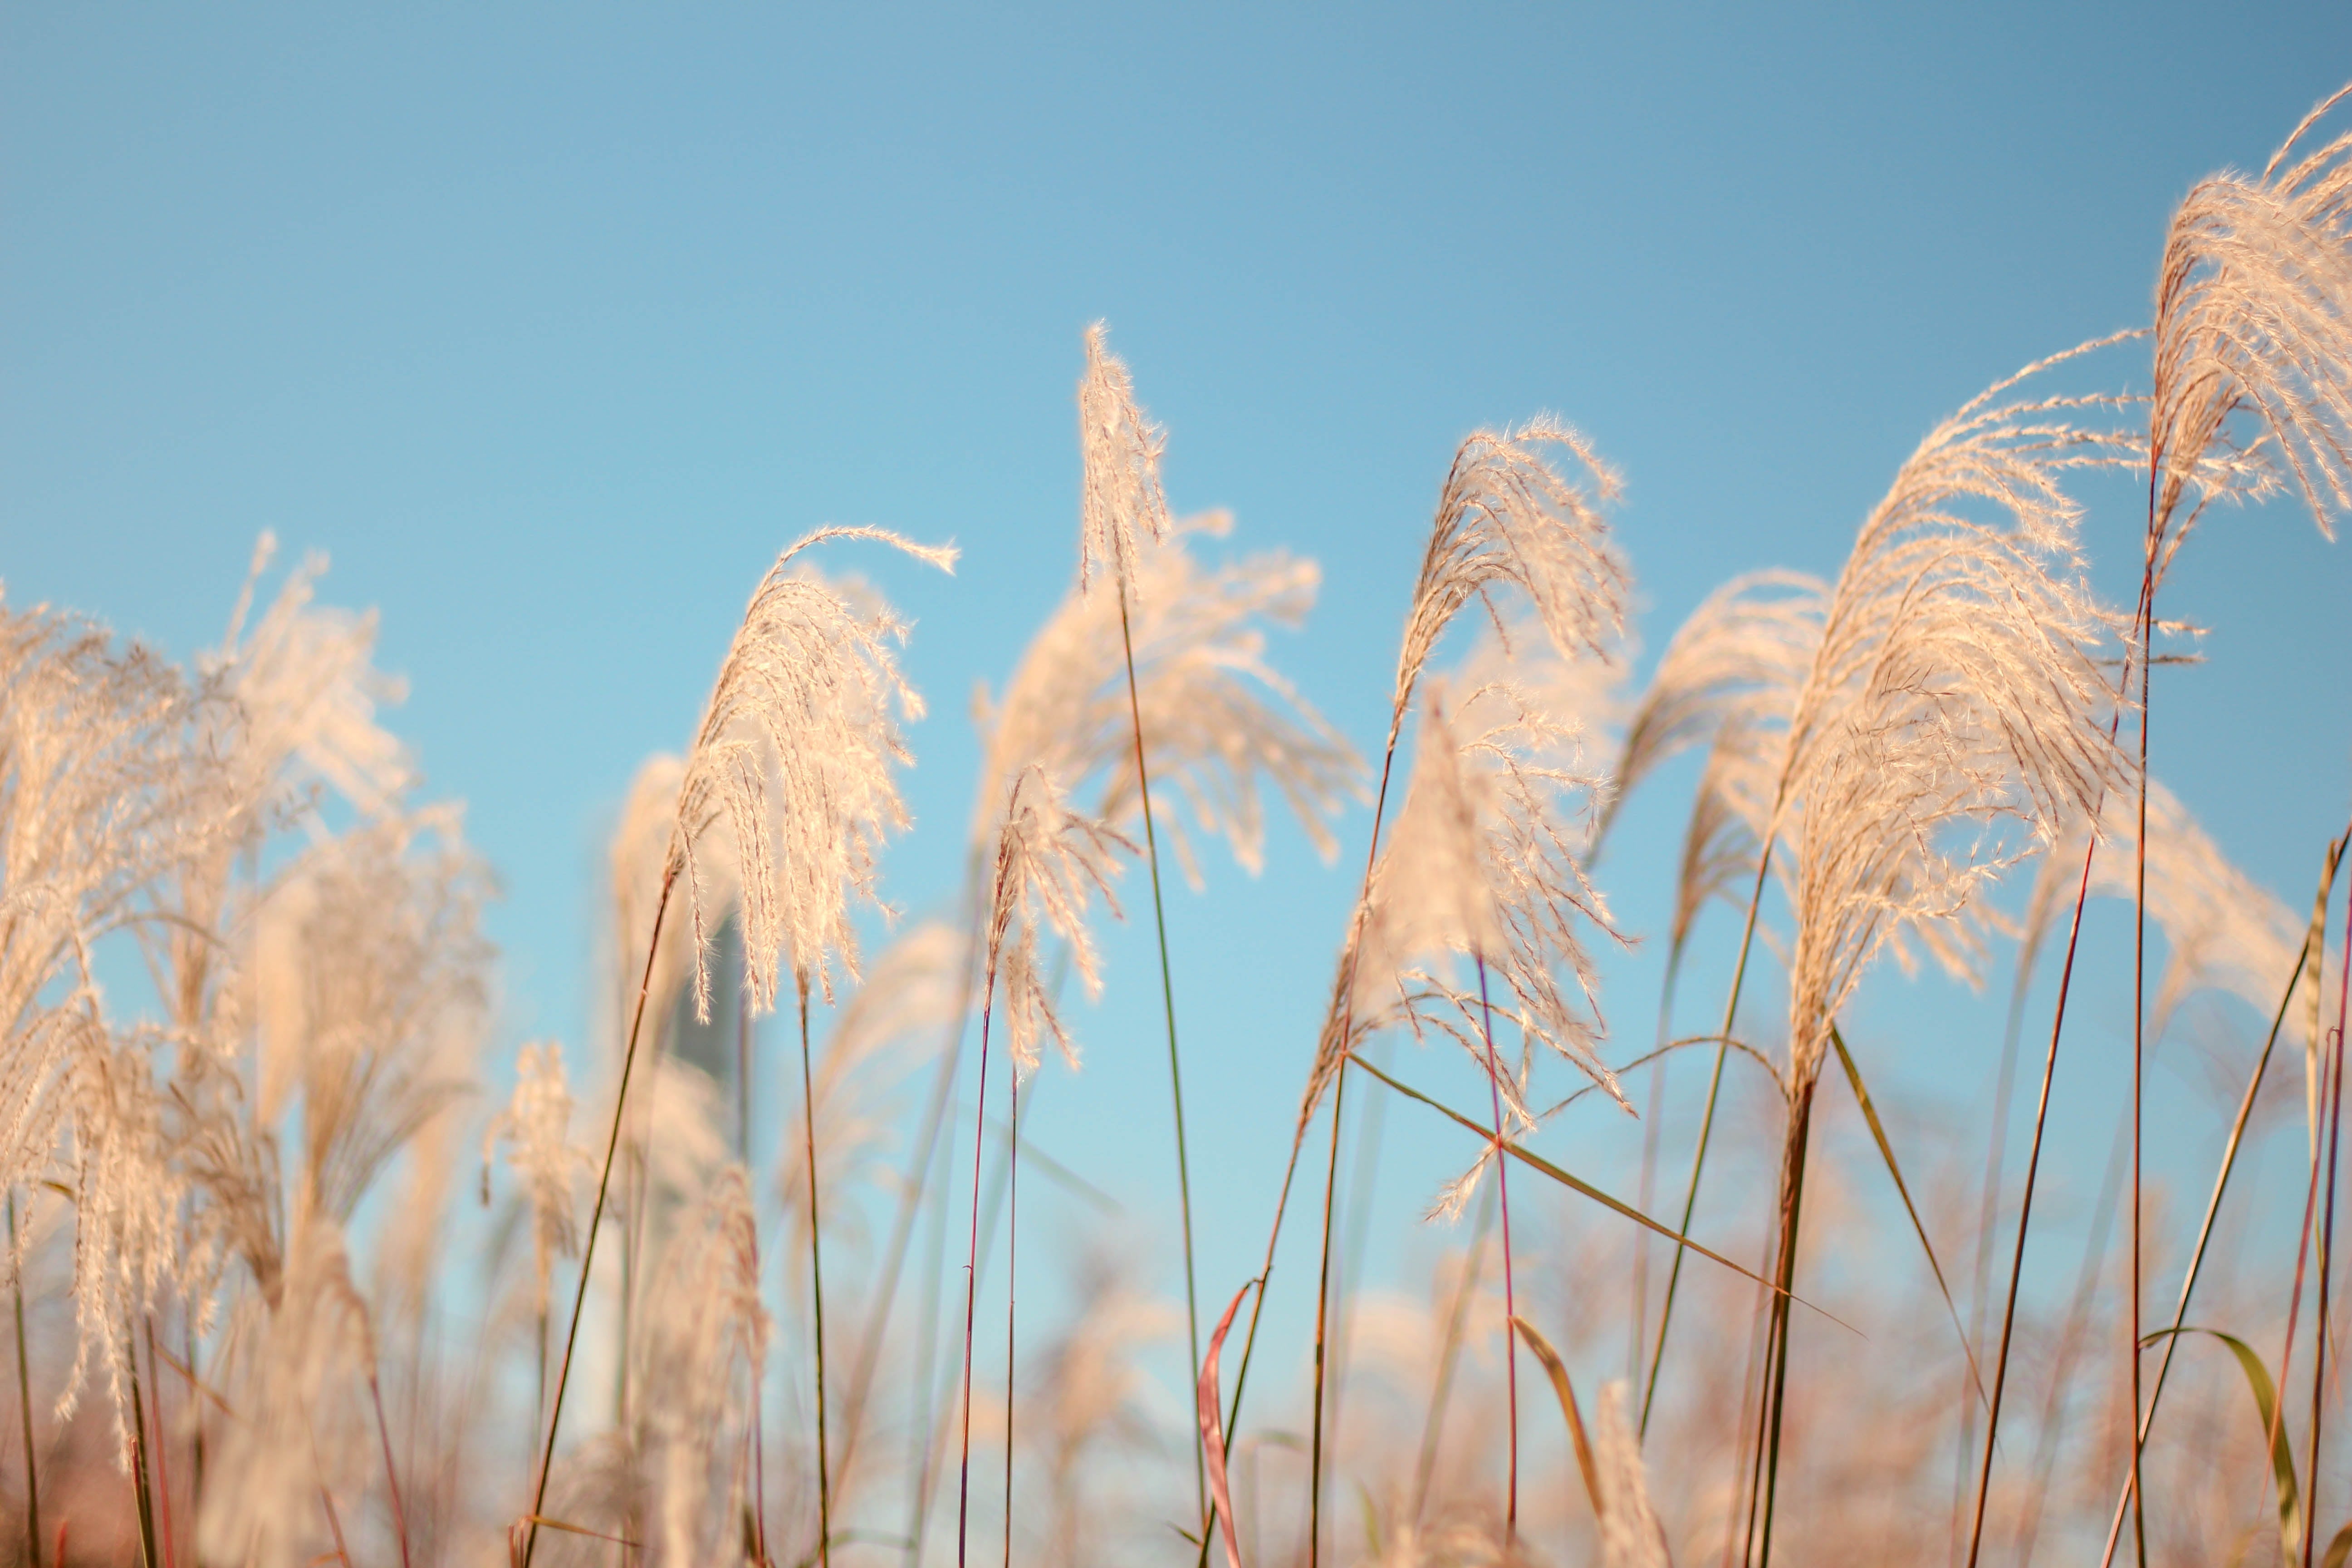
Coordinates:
x,y
551,324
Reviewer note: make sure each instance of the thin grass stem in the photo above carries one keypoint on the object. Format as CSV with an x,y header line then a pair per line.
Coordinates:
x,y
595,1221
1011,1278
1801,1116
971,1265
1705,1135
144,1493
2221,1181
1510,1302
391,1475
1175,1070
1322,1317
24,1397
816,1294
1648,1189
2025,1207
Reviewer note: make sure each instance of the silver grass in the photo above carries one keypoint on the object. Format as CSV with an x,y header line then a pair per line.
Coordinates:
x,y
2253,340
1507,515
794,752
1120,448
1483,863
1220,724
1955,689
1050,862
370,989
107,789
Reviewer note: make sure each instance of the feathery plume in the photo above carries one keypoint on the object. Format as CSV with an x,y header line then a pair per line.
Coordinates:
x,y
2253,327
1050,861
1508,515
1121,448
795,750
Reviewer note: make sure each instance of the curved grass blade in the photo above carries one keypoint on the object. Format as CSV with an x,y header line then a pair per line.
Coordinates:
x,y
2258,1381
2338,1549
1886,1152
1560,1385
1539,1164
1213,1435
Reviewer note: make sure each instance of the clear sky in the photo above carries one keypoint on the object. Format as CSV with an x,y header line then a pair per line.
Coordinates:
x,y
553,324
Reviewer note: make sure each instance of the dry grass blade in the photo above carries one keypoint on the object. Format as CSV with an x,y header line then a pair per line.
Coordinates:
x,y
1919,1226
1213,1435
1558,1372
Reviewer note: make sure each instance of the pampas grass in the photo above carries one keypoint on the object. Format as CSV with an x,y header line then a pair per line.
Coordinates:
x,y
247,999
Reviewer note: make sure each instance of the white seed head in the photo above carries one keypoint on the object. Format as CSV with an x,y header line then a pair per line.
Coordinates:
x,y
1121,507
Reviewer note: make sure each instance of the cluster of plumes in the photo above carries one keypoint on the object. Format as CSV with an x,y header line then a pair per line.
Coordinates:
x,y
1507,518
794,752
2254,341
322,1011
1050,863
1220,724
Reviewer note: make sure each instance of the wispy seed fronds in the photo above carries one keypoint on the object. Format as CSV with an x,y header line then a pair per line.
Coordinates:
x,y
1219,722
1050,862
2254,322
1483,863
1122,498
1507,515
795,752
1740,659
1956,691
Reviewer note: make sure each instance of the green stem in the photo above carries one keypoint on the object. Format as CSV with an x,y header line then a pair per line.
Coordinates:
x,y
1800,1136
24,1397
595,1224
816,1292
1175,1071
1322,1315
1705,1134
1510,1303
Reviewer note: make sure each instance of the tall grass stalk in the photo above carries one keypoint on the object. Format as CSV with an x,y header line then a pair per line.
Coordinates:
x,y
2323,1322
1012,1279
139,1478
1175,1069
816,1299
1792,1202
2333,860
971,1263
25,1396
1510,1301
595,1221
2025,1207
1648,1191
